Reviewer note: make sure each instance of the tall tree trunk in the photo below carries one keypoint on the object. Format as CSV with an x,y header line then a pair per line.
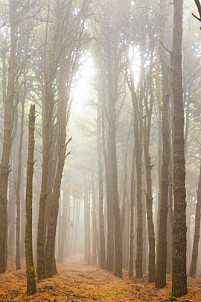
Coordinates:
x,y
49,73
149,198
63,225
7,138
30,270
102,257
87,222
163,208
94,226
138,158
193,266
131,255
54,202
110,215
179,279
18,187
11,216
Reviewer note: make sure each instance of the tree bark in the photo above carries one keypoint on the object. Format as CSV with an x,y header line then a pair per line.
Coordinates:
x,y
18,188
131,255
49,73
7,138
54,202
87,220
102,257
163,205
179,279
30,270
193,267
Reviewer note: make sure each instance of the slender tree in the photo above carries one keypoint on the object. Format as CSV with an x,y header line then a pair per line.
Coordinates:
x,y
164,183
179,279
102,257
30,270
7,135
131,256
193,266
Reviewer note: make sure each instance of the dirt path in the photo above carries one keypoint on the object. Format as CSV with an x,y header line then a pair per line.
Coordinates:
x,y
77,281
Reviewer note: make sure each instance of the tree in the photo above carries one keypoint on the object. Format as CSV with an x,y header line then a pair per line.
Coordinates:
x,y
164,182
50,63
100,192
193,266
179,279
7,135
30,270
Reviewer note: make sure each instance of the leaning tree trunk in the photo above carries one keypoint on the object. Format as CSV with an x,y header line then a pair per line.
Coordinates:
x,y
30,270
7,138
163,208
179,279
193,266
54,202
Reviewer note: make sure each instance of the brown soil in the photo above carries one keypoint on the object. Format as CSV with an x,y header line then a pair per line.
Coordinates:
x,y
77,281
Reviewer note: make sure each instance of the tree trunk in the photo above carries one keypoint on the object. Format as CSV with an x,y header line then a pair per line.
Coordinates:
x,y
179,279
193,267
49,74
7,138
87,219
132,217
18,188
30,270
54,202
94,226
163,208
110,216
102,256
149,198
11,216
138,157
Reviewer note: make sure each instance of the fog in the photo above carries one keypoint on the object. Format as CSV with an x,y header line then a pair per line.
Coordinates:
x,y
107,167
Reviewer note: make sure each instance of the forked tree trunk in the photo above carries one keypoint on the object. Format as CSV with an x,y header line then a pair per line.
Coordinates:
x,y
193,267
163,208
30,270
49,73
7,138
179,278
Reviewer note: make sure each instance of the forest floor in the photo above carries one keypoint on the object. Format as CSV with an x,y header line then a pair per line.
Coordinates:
x,y
77,281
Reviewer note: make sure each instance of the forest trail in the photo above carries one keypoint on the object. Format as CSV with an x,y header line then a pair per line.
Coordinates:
x,y
77,281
